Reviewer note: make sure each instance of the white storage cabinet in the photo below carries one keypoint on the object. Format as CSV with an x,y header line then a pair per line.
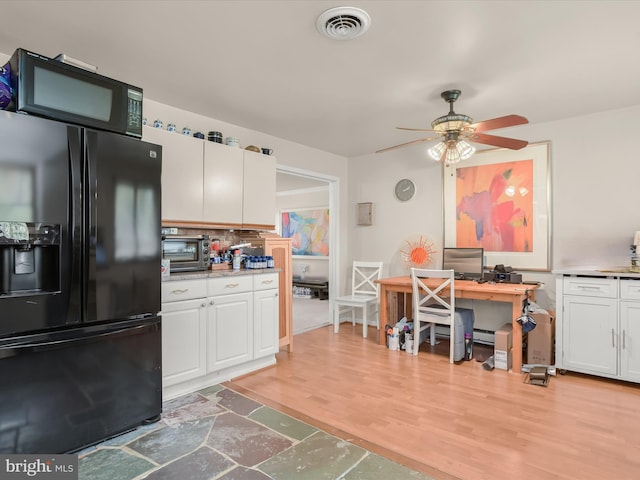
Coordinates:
x,y
183,331
265,315
598,328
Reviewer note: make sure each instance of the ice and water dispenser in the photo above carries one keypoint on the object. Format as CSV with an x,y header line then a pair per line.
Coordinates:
x,y
29,258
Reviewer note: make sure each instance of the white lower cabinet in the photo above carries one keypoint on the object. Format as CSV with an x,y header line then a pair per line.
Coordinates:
x,y
183,331
598,329
183,341
266,316
216,328
590,331
229,330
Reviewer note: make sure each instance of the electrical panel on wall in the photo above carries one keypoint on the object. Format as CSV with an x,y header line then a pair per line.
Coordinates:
x,y
365,211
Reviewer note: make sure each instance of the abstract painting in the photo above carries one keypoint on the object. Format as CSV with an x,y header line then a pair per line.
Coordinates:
x,y
308,230
499,200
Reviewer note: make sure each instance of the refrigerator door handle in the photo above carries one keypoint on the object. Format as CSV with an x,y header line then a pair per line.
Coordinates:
x,y
90,230
74,139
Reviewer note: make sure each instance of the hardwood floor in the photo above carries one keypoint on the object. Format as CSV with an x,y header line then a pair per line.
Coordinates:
x,y
460,419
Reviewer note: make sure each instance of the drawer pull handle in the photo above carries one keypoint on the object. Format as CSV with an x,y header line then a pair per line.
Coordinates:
x,y
179,291
212,302
203,305
624,343
267,281
613,343
231,285
589,287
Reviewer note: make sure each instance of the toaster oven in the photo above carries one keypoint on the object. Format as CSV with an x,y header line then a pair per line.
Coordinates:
x,y
186,252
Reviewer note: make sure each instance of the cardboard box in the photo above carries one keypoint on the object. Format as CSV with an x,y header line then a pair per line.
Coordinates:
x,y
502,354
541,340
502,360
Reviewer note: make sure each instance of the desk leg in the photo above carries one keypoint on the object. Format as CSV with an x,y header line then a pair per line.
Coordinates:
x,y
382,340
516,360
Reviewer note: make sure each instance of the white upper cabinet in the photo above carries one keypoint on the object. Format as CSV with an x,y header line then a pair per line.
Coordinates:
x,y
223,183
181,174
208,182
259,207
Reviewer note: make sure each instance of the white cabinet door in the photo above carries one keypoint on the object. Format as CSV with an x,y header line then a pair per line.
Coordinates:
x,y
182,186
183,341
590,335
265,323
630,341
223,183
229,330
259,207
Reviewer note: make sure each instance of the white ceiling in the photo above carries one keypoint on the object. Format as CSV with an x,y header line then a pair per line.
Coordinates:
x,y
261,64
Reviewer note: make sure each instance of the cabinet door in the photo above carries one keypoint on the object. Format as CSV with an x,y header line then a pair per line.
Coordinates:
x,y
182,186
223,184
265,323
630,341
183,341
259,207
229,330
590,336
280,250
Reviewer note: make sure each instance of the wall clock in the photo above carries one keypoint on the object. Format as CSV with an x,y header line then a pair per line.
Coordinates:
x,y
405,190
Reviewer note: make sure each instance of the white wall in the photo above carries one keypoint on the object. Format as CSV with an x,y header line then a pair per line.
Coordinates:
x,y
594,177
318,267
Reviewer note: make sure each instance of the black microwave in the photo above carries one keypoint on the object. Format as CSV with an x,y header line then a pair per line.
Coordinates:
x,y
53,89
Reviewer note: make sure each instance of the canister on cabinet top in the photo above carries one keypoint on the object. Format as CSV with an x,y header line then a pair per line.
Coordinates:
x,y
233,142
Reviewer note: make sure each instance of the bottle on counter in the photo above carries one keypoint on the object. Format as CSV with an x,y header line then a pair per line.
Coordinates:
x,y
270,262
236,260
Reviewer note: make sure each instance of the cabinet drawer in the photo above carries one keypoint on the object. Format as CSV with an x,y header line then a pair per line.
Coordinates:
x,y
630,289
591,286
265,281
183,290
230,284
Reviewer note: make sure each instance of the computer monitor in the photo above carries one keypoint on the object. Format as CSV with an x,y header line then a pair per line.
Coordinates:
x,y
467,263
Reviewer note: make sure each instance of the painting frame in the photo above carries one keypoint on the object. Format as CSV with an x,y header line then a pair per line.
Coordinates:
x,y
309,230
538,258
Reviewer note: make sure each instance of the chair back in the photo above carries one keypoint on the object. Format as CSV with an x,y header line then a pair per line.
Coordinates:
x,y
363,278
433,295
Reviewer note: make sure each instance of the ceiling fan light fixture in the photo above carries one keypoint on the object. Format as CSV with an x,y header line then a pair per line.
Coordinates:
x,y
455,151
465,150
437,150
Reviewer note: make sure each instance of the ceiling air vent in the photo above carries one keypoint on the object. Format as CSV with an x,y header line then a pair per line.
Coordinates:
x,y
343,23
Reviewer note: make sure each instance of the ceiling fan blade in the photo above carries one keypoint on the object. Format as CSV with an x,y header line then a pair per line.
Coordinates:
x,y
416,129
504,142
407,144
500,122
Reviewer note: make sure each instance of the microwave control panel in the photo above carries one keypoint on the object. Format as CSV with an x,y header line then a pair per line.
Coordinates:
x,y
134,111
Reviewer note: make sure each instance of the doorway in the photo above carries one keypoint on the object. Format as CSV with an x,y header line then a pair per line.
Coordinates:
x,y
298,188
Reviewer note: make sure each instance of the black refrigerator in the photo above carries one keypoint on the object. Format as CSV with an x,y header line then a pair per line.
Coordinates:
x,y
80,345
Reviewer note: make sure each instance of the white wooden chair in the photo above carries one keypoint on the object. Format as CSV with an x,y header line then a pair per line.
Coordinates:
x,y
365,294
433,304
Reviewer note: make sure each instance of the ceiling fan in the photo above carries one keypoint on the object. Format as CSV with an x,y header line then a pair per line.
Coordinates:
x,y
457,130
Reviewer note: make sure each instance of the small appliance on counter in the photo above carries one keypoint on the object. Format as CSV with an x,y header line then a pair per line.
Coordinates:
x,y
503,274
186,252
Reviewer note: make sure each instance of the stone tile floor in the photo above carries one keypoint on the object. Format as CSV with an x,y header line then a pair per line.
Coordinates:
x,y
219,434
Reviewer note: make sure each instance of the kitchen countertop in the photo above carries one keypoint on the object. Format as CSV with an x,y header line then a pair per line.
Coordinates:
x,y
217,273
593,271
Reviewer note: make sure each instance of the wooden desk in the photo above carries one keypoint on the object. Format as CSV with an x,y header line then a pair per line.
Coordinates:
x,y
498,292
